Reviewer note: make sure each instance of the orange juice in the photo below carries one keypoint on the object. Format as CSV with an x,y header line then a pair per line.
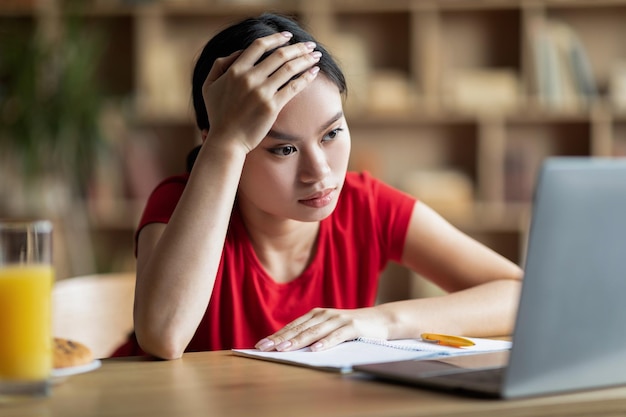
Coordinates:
x,y
25,322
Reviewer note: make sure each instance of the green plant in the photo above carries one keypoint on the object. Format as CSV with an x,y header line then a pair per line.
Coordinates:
x,y
50,103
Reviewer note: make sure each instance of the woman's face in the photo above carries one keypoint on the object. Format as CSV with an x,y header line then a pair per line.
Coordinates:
x,y
298,170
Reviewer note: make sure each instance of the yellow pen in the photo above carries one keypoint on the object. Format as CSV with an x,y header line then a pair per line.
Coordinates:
x,y
447,340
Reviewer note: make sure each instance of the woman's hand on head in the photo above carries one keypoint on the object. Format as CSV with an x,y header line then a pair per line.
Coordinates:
x,y
243,97
323,328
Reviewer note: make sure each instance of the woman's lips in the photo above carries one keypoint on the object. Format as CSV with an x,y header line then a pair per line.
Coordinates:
x,y
319,200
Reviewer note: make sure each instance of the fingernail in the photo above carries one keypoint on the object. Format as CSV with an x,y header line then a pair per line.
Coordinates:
x,y
264,344
310,45
314,70
287,34
284,345
316,55
317,346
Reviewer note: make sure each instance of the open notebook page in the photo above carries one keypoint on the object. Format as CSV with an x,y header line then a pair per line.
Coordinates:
x,y
364,350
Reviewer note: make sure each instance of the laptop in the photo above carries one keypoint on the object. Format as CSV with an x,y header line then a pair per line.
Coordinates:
x,y
570,330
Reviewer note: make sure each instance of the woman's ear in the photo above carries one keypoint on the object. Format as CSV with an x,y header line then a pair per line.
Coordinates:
x,y
205,133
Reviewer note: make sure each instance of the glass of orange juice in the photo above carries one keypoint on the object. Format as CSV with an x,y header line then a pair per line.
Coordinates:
x,y
26,278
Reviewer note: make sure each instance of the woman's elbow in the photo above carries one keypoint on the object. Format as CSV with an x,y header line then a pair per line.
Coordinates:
x,y
161,346
158,339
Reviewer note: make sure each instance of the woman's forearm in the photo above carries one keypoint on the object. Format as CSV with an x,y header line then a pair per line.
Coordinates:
x,y
176,270
486,310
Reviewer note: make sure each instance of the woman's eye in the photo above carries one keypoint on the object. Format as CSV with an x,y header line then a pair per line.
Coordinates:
x,y
283,150
333,133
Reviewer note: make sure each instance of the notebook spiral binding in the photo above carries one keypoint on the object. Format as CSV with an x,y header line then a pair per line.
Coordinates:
x,y
413,345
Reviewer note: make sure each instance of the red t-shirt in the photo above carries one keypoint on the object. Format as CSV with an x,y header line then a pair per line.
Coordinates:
x,y
366,230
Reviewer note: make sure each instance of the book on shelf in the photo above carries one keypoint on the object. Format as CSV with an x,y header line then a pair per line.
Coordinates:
x,y
617,87
563,76
483,90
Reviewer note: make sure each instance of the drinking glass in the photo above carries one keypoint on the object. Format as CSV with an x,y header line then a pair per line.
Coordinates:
x,y
26,279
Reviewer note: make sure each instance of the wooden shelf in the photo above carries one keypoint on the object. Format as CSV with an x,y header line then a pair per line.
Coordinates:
x,y
448,87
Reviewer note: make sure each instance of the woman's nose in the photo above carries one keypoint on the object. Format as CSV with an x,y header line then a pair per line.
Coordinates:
x,y
314,165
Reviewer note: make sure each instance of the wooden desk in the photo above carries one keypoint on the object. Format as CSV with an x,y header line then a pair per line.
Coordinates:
x,y
219,384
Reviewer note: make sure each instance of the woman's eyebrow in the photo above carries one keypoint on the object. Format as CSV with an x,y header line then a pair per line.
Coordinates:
x,y
291,138
275,134
332,120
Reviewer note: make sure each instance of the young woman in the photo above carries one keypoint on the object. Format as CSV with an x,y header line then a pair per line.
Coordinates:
x,y
269,242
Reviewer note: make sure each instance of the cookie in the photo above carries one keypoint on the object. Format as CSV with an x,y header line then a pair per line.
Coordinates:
x,y
66,353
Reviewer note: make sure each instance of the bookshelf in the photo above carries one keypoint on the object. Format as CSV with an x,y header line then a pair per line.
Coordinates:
x,y
444,92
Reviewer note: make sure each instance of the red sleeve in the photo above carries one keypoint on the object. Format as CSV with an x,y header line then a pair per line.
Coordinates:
x,y
387,211
162,202
395,209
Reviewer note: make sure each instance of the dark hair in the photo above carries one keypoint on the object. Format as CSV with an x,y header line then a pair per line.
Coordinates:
x,y
238,37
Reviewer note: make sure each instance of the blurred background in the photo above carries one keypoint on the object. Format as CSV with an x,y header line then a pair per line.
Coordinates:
x,y
454,101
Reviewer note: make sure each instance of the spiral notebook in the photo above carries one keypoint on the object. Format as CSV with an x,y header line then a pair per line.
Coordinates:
x,y
360,351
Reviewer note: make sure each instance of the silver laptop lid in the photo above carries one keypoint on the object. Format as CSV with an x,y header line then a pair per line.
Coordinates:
x,y
571,326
